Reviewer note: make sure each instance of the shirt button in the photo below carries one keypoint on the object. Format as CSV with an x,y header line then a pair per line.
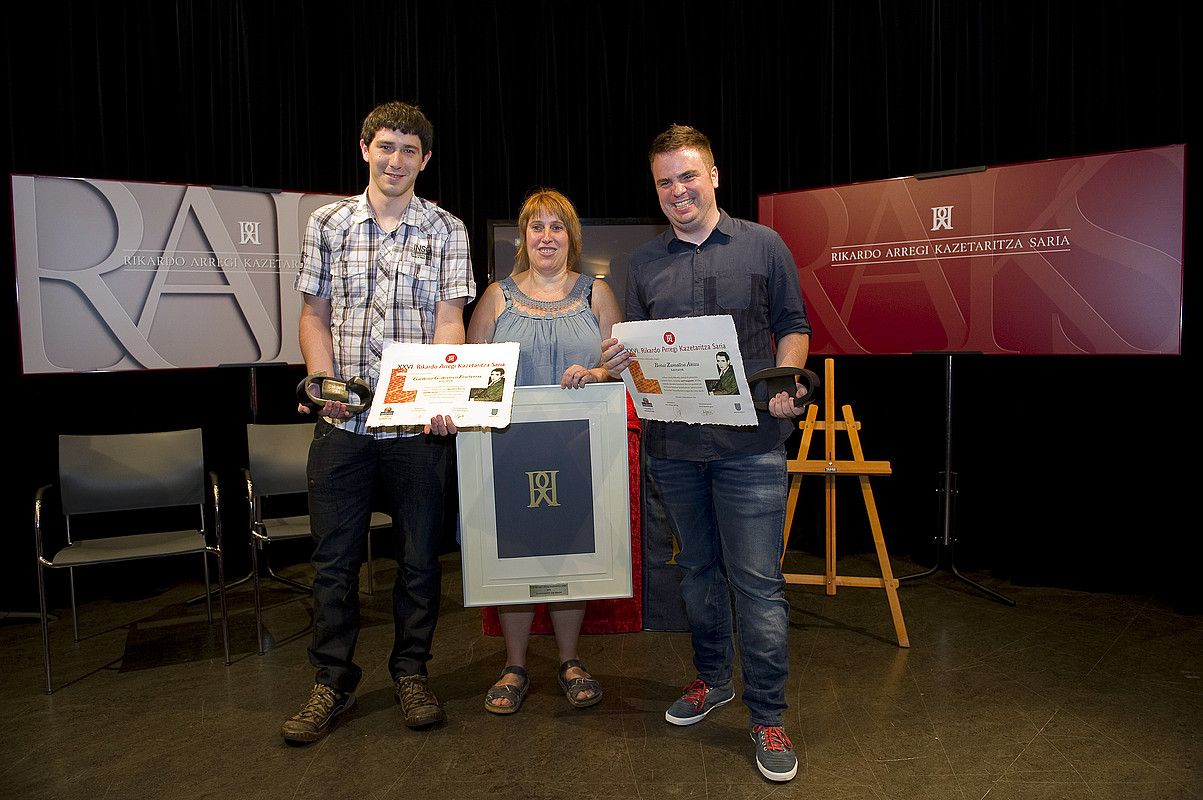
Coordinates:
x,y
699,250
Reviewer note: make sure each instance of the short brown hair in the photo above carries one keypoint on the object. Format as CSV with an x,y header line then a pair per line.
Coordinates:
x,y
679,136
559,206
397,116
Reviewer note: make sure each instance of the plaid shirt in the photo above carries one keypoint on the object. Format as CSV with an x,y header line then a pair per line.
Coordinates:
x,y
425,260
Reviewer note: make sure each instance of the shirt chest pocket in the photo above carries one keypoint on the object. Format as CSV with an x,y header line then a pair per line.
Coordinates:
x,y
350,282
420,258
739,290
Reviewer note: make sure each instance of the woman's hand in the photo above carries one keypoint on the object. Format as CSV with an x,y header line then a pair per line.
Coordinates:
x,y
577,376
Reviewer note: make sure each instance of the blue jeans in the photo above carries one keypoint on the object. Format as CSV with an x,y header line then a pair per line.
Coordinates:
x,y
344,472
728,515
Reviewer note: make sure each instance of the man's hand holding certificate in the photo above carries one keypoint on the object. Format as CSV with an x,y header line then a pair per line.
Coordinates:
x,y
472,384
687,369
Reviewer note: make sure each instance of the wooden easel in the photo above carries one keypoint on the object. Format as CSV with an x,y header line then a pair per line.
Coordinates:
x,y
831,468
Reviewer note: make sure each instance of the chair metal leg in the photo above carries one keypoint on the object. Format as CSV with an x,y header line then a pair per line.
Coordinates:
x,y
254,576
45,626
255,582
288,581
371,572
74,610
230,585
208,586
221,594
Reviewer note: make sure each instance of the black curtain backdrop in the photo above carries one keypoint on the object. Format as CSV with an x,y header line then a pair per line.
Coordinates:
x,y
1069,467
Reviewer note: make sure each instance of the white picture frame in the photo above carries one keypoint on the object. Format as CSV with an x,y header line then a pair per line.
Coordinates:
x,y
539,572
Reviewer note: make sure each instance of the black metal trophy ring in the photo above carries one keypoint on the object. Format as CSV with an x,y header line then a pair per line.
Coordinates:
x,y
787,379
316,390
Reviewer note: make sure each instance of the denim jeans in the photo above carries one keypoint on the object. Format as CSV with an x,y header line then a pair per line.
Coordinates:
x,y
728,515
344,472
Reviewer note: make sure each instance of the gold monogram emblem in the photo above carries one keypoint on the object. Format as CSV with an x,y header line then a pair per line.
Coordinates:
x,y
543,487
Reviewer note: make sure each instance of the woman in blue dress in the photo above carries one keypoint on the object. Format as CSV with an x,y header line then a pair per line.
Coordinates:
x,y
560,318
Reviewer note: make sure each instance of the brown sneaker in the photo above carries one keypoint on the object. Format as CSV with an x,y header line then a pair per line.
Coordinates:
x,y
319,715
419,705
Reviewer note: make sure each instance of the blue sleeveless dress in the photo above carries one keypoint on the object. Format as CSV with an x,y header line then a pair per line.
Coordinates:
x,y
553,335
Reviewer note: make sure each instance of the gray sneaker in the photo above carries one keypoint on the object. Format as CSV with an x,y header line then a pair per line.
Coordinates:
x,y
697,701
318,716
774,753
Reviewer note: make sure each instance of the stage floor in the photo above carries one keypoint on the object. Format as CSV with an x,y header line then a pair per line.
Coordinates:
x,y
1068,695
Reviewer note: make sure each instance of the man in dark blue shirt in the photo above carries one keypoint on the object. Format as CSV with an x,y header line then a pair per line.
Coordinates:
x,y
724,486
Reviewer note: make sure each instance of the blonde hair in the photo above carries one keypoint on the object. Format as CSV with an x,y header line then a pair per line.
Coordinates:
x,y
559,206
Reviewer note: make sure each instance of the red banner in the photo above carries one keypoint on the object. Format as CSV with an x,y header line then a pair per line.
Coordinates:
x,y
1066,256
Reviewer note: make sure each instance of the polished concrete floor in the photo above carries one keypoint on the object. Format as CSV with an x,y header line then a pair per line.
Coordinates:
x,y
1068,695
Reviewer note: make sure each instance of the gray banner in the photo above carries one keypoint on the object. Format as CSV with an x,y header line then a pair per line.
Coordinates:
x,y
115,275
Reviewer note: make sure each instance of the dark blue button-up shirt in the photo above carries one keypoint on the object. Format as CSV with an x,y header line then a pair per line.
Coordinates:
x,y
742,269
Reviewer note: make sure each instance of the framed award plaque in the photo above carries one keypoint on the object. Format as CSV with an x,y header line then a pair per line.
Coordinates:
x,y
544,503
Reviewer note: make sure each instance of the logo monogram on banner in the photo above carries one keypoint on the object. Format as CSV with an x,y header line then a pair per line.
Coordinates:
x,y
941,218
543,487
249,232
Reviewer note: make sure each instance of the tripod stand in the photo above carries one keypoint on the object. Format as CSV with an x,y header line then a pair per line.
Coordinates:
x,y
945,545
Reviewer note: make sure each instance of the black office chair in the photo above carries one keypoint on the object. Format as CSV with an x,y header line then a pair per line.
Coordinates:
x,y
123,473
277,456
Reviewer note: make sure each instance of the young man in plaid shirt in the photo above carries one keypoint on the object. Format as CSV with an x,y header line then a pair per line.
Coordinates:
x,y
383,266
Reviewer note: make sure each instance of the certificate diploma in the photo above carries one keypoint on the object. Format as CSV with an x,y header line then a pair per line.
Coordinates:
x,y
471,383
687,369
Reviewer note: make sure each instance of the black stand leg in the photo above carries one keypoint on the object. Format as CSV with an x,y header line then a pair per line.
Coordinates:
x,y
945,546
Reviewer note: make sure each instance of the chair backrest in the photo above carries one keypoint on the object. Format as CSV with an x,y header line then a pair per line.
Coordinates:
x,y
131,471
277,456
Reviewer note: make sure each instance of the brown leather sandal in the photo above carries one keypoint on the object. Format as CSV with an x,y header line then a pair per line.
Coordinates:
x,y
515,693
574,686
